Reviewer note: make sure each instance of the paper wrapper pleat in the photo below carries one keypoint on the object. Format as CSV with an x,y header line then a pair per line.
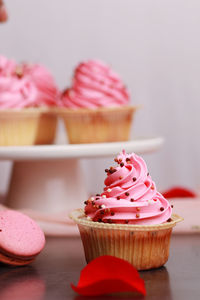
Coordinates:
x,y
98,125
32,126
145,247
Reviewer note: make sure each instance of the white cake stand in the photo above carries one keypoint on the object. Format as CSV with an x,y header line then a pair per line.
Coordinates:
x,y
47,181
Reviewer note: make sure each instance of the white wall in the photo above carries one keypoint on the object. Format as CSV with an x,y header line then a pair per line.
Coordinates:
x,y
153,44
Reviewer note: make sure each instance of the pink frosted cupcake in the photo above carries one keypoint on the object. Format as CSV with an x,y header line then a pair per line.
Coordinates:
x,y
96,107
27,95
130,219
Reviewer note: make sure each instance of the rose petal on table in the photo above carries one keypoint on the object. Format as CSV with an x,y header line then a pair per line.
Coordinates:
x,y
108,274
179,192
3,13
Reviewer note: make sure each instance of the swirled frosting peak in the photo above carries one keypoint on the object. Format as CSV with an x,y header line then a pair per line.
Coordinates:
x,y
95,85
25,85
44,82
130,195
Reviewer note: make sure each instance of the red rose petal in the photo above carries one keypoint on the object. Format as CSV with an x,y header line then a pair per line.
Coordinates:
x,y
3,12
109,274
179,192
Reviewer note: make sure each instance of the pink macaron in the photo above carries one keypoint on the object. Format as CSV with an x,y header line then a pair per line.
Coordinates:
x,y
21,239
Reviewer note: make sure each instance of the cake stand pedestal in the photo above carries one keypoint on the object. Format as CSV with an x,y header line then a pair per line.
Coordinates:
x,y
47,181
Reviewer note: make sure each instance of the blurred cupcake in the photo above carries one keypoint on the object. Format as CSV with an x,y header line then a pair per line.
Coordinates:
x,y
130,219
96,108
27,95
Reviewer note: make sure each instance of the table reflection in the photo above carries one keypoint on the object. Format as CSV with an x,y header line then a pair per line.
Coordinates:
x,y
21,283
157,283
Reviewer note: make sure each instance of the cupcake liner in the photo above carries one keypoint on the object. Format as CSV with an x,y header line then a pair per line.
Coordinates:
x,y
29,126
98,125
144,246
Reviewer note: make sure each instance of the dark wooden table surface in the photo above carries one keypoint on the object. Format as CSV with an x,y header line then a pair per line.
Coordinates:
x,y
60,263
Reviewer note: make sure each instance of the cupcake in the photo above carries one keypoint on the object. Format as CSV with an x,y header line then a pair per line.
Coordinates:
x,y
27,95
130,219
96,107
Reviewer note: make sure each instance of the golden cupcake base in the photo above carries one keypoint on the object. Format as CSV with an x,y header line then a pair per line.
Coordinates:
x,y
98,125
144,246
29,126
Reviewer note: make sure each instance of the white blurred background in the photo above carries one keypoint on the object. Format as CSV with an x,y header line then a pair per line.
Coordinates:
x,y
154,45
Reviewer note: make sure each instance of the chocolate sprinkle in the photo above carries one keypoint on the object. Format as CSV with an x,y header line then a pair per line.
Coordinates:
x,y
98,195
134,178
169,220
111,171
122,164
127,159
162,208
97,198
116,160
118,197
19,72
172,206
106,170
132,200
112,213
126,221
85,202
148,174
127,194
99,220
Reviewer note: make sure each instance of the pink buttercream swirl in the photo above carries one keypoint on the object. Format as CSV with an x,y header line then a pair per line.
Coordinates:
x,y
24,85
7,66
129,196
15,93
44,82
95,85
